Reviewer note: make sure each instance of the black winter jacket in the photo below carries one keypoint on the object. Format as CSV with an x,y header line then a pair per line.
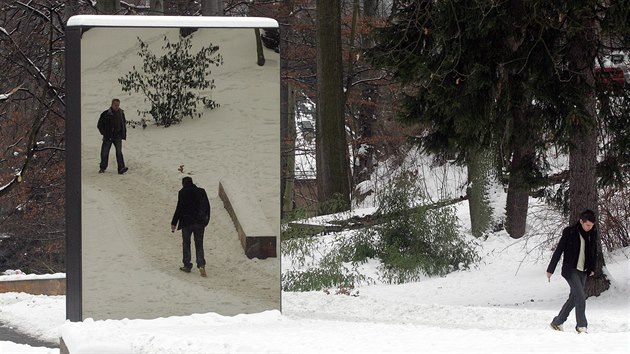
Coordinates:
x,y
109,129
193,208
569,245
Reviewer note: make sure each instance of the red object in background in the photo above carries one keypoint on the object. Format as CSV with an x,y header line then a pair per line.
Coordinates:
x,y
611,75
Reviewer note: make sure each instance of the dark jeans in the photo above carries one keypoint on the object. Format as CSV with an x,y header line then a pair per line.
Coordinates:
x,y
107,145
197,231
577,299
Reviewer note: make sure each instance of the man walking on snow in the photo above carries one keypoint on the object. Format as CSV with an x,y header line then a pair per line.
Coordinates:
x,y
192,215
578,247
113,127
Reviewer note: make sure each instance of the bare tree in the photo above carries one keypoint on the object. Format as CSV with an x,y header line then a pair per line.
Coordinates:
x,y
32,133
108,7
212,8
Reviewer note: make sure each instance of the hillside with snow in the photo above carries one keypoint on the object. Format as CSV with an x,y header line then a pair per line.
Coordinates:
x,y
503,303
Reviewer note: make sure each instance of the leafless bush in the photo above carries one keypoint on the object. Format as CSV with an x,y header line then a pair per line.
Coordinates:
x,y
614,214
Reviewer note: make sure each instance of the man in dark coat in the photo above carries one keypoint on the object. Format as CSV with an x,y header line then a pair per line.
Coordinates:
x,y
578,247
113,127
192,215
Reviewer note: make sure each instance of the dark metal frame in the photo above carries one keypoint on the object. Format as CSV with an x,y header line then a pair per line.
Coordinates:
x,y
74,304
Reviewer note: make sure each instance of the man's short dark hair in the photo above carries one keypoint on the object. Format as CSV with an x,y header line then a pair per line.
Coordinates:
x,y
587,215
115,100
187,181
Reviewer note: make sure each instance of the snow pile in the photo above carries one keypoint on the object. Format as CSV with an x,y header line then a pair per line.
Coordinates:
x,y
503,305
17,274
13,348
268,332
39,316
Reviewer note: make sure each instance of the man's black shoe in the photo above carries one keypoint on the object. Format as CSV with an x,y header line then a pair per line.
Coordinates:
x,y
123,170
184,269
102,170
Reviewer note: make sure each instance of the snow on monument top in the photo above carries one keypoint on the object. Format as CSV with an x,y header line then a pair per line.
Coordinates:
x,y
171,21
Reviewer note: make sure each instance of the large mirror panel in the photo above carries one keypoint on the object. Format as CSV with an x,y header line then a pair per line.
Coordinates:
x,y
139,162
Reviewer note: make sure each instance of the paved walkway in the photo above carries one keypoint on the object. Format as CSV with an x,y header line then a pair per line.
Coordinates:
x,y
11,335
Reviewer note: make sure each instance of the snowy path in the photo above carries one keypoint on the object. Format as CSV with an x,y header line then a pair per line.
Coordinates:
x,y
499,293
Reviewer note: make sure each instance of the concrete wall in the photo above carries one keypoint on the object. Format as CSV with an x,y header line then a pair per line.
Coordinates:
x,y
55,286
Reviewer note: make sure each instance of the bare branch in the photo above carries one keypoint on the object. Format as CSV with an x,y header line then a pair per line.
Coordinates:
x,y
49,148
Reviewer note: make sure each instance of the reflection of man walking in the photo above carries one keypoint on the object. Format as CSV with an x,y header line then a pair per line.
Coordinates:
x,y
578,247
191,216
113,127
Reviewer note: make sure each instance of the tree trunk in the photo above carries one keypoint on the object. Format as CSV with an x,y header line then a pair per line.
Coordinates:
x,y
370,7
523,154
289,173
480,164
364,165
108,7
583,149
331,147
286,113
259,48
517,202
157,7
212,7
71,9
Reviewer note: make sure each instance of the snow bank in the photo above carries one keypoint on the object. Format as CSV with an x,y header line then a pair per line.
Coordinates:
x,y
39,316
269,332
13,348
11,274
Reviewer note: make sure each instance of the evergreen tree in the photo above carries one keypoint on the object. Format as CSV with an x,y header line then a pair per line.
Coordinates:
x,y
441,53
515,75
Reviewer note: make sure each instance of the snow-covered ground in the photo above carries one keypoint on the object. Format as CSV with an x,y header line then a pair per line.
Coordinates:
x,y
502,305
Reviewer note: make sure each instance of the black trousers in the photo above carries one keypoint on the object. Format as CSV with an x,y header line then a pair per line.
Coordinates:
x,y
187,232
577,300
107,145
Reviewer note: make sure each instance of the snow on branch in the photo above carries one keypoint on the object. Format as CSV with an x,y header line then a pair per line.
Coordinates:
x,y
41,75
40,14
132,6
17,178
5,96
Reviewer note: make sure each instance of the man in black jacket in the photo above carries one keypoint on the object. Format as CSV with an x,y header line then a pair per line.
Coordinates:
x,y
578,245
113,127
192,215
